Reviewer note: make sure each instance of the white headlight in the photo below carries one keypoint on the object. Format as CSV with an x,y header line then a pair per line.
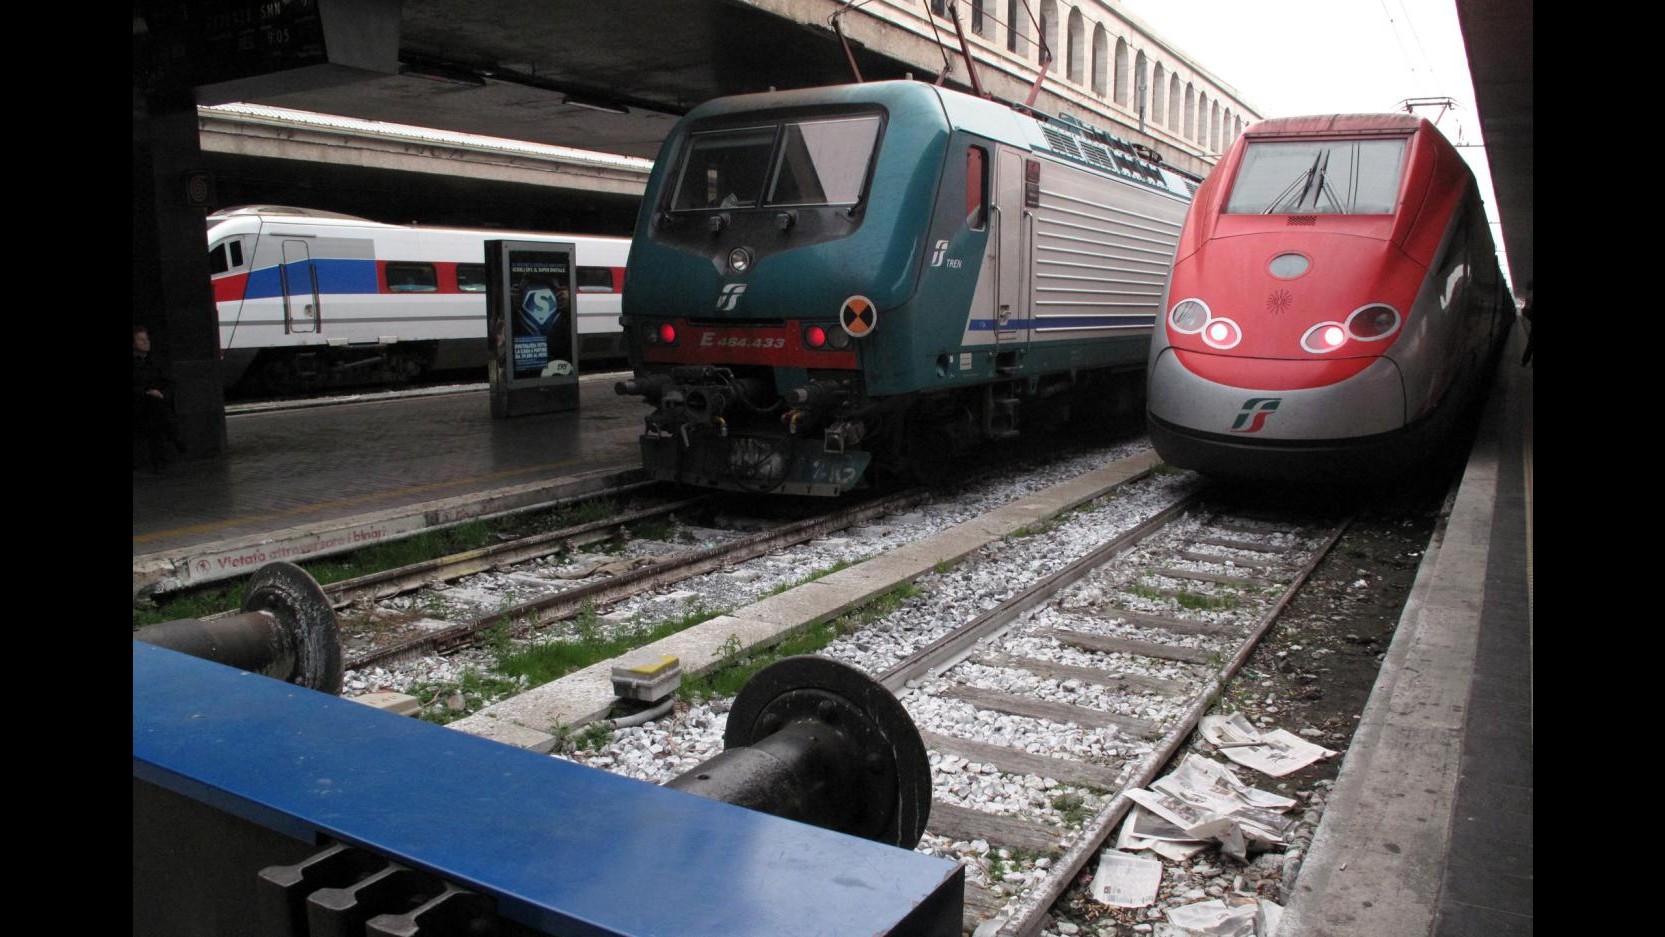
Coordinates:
x,y
1324,337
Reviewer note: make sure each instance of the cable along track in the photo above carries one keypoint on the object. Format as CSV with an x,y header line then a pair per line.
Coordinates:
x,y
1107,665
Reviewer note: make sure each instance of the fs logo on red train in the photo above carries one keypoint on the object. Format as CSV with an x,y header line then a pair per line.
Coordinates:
x,y
859,316
1252,418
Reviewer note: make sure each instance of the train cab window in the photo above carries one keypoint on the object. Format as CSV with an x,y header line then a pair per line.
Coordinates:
x,y
976,188
724,169
595,279
224,256
793,164
1328,177
411,278
471,278
823,162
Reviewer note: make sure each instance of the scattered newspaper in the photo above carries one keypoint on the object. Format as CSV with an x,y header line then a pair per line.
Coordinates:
x,y
1141,825
1275,753
1170,808
1203,801
1207,783
1177,852
1243,917
1144,830
1124,880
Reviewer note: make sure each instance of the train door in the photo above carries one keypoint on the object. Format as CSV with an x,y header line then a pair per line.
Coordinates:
x,y
1011,238
300,289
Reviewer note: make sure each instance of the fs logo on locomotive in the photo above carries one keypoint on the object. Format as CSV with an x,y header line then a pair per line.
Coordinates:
x,y
939,257
730,296
1252,418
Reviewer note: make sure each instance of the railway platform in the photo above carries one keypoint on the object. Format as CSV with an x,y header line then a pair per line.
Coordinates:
x,y
299,483
1427,832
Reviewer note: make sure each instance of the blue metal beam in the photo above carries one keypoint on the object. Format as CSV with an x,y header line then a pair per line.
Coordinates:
x,y
563,848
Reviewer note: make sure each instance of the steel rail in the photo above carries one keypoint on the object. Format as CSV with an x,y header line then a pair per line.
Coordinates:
x,y
1097,831
949,649
529,616
391,582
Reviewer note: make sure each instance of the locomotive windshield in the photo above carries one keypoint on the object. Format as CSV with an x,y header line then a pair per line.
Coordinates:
x,y
1329,177
791,164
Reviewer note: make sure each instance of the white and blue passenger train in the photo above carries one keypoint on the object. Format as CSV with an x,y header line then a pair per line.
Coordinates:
x,y
310,299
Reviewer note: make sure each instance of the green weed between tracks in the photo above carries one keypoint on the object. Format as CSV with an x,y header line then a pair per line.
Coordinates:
x,y
518,668
726,681
460,538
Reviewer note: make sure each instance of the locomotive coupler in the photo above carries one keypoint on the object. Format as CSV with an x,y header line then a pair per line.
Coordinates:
x,y
709,401
287,630
819,396
817,741
652,387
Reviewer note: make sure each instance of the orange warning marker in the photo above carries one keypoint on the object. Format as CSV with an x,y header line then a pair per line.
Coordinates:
x,y
859,316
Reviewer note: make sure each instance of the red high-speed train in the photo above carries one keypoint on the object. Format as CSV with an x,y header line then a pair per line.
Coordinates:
x,y
1335,305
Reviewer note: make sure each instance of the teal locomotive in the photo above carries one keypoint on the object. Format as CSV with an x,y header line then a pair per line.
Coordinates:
x,y
826,283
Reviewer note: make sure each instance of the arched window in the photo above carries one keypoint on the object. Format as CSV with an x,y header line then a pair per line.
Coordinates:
x,y
1190,132
1101,52
1141,93
1122,91
1174,104
1049,27
1017,28
1159,95
1075,62
979,21
1214,127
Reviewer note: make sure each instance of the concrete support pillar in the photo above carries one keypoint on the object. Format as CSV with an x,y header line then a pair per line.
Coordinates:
x,y
171,292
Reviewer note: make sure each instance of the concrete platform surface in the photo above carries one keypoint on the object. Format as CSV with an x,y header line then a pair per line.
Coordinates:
x,y
302,483
1429,828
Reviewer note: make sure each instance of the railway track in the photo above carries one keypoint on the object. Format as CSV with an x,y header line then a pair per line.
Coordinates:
x,y
1041,712
388,583
1130,644
527,616
372,639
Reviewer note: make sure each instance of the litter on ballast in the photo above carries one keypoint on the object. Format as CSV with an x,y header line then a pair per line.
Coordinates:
x,y
1125,880
1274,753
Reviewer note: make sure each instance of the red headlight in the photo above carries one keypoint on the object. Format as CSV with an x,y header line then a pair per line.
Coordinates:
x,y
815,336
667,334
